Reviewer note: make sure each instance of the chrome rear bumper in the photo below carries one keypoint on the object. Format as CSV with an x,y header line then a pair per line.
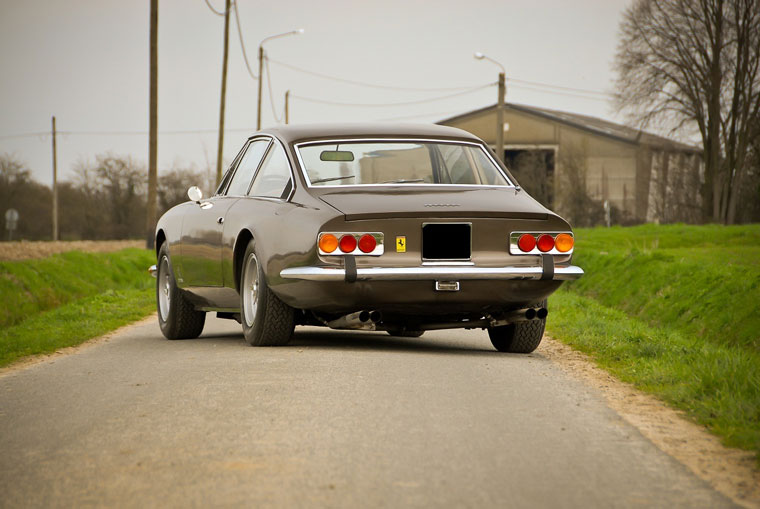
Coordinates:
x,y
430,273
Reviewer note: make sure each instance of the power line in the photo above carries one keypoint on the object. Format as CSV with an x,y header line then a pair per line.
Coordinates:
x,y
365,84
557,92
242,44
214,10
559,87
407,117
126,133
24,135
386,105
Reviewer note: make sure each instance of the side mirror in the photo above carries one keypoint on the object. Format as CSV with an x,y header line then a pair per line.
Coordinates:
x,y
195,194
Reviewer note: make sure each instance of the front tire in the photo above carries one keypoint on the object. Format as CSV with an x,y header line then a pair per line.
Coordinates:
x,y
267,321
520,337
177,317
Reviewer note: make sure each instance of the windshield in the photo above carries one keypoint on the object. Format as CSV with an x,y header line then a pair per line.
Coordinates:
x,y
357,163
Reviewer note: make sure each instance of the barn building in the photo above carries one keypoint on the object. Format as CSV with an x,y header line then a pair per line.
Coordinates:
x,y
575,163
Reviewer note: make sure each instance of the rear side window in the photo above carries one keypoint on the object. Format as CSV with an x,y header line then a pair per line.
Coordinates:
x,y
241,180
273,179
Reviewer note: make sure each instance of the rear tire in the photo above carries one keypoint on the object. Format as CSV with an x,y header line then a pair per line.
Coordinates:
x,y
520,337
177,317
266,320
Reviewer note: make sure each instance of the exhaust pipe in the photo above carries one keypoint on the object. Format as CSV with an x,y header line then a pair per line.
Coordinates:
x,y
361,320
520,315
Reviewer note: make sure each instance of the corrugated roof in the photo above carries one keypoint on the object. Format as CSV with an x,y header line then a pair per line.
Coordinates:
x,y
586,123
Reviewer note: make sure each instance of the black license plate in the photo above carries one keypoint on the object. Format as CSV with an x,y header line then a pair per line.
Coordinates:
x,y
446,241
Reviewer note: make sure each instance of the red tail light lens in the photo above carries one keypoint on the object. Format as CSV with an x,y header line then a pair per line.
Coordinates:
x,y
527,242
347,243
545,243
367,243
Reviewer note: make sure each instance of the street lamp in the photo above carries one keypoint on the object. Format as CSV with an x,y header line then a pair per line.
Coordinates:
x,y
261,67
500,105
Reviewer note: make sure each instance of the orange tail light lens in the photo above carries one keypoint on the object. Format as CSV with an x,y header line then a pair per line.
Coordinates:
x,y
526,243
564,242
367,243
328,243
347,243
545,243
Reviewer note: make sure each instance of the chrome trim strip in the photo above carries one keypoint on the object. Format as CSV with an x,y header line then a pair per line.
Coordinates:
x,y
429,273
305,174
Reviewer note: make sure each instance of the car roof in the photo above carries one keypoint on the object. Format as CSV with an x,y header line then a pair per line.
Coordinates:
x,y
294,133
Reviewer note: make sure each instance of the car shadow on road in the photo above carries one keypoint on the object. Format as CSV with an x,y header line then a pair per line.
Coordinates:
x,y
328,339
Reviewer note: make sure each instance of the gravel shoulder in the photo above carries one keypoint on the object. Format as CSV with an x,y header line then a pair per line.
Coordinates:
x,y
732,472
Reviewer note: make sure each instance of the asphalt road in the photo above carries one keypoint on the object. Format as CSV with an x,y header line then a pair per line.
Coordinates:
x,y
337,419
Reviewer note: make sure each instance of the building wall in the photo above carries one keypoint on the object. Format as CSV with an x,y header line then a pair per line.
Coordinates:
x,y
614,169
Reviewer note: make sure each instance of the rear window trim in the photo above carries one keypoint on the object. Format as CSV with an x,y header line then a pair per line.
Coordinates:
x,y
480,146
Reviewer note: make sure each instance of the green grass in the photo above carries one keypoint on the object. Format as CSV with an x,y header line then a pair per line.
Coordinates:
x,y
31,286
674,310
74,323
66,299
702,281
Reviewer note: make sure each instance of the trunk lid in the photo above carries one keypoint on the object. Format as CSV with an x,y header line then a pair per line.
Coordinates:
x,y
373,203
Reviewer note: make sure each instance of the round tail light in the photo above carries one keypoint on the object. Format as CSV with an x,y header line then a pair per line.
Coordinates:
x,y
347,243
328,243
526,243
564,242
367,243
545,243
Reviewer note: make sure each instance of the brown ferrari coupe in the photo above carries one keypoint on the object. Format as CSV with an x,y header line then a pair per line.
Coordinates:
x,y
400,228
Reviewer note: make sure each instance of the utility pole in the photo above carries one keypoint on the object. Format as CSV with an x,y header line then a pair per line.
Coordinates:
x,y
153,136
55,186
261,79
287,106
499,105
500,117
220,148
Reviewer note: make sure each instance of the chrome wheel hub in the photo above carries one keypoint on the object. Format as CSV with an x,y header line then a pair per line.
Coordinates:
x,y
164,288
250,289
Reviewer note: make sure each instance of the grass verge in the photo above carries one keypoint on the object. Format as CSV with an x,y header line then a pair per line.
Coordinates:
x,y
673,310
74,323
31,286
69,298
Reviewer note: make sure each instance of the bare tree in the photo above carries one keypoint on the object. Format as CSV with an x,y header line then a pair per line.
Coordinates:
x,y
696,63
574,202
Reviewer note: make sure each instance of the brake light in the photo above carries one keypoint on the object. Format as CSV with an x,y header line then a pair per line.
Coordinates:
x,y
536,243
347,243
527,242
564,242
337,243
545,243
328,242
367,243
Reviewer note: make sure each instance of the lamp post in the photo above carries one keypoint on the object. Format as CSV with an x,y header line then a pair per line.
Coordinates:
x,y
500,105
261,68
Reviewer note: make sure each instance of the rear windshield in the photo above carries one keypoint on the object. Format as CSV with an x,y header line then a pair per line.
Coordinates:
x,y
357,163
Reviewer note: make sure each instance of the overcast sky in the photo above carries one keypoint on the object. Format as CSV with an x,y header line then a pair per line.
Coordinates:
x,y
87,63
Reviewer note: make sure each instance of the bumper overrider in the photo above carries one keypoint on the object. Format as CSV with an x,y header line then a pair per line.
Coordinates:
x,y
432,273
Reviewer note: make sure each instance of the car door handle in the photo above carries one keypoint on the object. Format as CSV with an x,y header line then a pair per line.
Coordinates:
x,y
220,220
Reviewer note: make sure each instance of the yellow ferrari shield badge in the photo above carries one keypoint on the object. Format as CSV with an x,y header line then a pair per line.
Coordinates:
x,y
401,244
